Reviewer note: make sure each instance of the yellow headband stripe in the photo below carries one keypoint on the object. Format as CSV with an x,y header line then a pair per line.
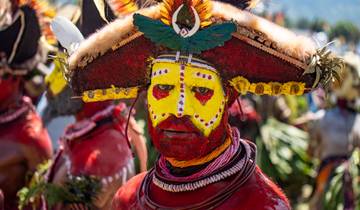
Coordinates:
x,y
243,86
112,93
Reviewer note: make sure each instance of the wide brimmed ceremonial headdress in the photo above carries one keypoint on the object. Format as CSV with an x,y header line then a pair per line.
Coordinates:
x,y
22,23
250,53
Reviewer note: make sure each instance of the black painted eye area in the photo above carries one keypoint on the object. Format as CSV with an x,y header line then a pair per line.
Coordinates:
x,y
165,87
201,90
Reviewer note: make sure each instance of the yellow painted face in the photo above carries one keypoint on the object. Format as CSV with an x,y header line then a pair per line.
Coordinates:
x,y
185,90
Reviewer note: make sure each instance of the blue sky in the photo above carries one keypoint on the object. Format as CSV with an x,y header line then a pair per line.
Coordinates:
x,y
330,10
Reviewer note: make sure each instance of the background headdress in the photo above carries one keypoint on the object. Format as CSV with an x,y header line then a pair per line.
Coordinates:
x,y
94,15
250,53
101,12
19,26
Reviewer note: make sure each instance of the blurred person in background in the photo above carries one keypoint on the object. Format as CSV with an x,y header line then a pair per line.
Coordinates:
x,y
94,158
336,132
24,142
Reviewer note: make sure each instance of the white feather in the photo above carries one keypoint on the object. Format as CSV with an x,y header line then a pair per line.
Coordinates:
x,y
66,33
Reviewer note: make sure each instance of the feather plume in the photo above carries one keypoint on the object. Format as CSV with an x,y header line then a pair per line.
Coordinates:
x,y
67,33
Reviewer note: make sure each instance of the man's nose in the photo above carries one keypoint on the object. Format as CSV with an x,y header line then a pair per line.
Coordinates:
x,y
179,119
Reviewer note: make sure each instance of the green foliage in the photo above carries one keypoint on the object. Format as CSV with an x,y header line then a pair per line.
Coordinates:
x,y
83,189
303,23
36,186
77,189
347,30
326,66
334,193
282,156
297,104
318,25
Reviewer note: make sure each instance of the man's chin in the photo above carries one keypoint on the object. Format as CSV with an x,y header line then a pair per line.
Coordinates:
x,y
179,154
181,149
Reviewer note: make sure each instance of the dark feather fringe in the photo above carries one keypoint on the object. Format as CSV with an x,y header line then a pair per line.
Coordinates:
x,y
241,4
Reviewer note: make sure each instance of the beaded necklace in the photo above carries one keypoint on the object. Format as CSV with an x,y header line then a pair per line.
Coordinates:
x,y
240,167
219,162
226,165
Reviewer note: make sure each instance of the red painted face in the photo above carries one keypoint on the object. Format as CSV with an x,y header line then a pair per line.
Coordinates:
x,y
186,106
179,138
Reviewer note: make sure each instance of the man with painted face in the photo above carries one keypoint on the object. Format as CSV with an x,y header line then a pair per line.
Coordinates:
x,y
193,58
186,105
24,142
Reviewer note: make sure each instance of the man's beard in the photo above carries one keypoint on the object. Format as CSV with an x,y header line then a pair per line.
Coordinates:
x,y
179,138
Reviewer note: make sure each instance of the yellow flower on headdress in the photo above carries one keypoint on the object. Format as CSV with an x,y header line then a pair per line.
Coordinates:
x,y
240,84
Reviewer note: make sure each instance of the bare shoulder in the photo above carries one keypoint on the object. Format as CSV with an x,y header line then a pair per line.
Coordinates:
x,y
125,197
272,194
258,193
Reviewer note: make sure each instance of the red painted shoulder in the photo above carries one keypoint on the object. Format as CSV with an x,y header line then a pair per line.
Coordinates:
x,y
28,131
34,133
125,197
90,154
258,193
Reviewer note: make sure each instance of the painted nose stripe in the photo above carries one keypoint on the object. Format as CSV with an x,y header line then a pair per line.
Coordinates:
x,y
181,101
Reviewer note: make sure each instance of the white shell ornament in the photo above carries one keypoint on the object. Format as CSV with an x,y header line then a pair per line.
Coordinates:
x,y
184,32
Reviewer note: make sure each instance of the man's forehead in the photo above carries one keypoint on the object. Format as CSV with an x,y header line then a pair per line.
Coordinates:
x,y
173,71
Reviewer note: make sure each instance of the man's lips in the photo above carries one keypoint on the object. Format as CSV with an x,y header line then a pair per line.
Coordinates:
x,y
179,134
178,128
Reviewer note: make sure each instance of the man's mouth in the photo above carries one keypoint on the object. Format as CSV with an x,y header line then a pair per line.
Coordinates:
x,y
171,133
178,129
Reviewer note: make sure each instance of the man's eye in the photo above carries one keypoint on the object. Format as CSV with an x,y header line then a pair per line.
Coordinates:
x,y
201,90
165,87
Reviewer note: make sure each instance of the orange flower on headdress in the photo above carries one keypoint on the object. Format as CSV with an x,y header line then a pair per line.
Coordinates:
x,y
202,7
